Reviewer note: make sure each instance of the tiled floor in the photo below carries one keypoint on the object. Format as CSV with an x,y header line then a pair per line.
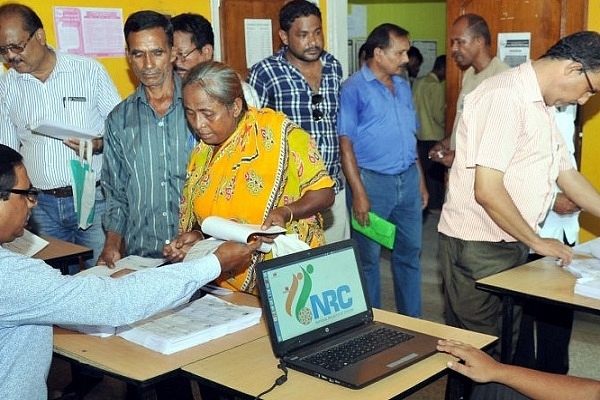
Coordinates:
x,y
584,351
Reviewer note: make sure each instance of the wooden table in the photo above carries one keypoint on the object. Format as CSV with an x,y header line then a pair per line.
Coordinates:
x,y
540,280
140,366
249,369
60,254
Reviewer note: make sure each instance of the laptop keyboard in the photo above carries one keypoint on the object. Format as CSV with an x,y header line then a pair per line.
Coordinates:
x,y
356,349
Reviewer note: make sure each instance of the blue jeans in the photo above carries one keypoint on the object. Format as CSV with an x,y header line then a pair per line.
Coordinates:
x,y
56,217
396,198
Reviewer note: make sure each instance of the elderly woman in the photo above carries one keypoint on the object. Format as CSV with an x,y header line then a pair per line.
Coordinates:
x,y
252,166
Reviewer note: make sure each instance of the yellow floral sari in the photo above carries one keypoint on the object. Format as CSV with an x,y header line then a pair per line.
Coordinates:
x,y
267,162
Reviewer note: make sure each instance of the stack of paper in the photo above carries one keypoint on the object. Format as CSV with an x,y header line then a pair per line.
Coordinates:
x,y
589,287
587,270
194,323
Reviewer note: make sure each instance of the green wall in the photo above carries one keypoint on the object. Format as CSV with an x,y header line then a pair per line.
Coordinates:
x,y
425,20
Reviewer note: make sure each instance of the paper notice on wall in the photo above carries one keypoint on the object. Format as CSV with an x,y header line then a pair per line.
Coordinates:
x,y
259,40
92,32
514,47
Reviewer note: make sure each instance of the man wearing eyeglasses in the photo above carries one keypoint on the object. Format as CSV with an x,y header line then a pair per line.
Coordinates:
x,y
42,84
509,155
194,42
34,295
302,80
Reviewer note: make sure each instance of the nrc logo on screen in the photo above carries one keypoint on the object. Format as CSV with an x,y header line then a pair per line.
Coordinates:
x,y
306,306
330,301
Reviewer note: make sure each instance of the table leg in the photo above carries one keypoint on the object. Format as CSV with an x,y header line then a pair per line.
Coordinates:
x,y
507,328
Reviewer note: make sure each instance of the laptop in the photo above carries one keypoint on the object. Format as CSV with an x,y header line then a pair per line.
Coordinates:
x,y
316,307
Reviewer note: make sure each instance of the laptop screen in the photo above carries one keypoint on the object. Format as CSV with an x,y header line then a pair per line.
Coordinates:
x,y
312,291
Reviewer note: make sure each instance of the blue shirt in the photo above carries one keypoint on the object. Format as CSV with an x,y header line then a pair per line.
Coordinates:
x,y
35,296
145,165
282,87
381,126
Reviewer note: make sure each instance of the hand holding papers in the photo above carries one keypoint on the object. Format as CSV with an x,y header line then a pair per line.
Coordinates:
x,y
63,131
221,228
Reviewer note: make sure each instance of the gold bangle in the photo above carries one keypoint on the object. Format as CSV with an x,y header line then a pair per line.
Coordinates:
x,y
291,214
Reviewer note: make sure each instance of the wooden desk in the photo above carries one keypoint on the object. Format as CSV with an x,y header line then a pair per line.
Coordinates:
x,y
143,367
250,369
60,254
540,280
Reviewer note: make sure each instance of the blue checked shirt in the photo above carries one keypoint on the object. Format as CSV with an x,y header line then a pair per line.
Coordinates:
x,y
282,87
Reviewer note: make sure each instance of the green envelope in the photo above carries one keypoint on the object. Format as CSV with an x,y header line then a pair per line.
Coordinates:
x,y
380,230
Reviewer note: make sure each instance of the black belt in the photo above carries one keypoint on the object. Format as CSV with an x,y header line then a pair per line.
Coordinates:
x,y
66,191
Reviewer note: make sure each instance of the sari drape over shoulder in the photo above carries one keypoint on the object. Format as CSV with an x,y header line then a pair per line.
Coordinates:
x,y
266,163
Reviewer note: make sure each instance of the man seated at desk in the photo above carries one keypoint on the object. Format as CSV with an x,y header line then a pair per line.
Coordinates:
x,y
35,296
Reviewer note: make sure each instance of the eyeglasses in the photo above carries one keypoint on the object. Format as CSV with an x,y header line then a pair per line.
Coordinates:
x,y
315,101
16,48
31,194
591,89
182,56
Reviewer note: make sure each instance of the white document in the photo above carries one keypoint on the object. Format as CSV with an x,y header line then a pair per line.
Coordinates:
x,y
132,262
63,131
192,324
589,287
28,244
136,263
259,40
513,47
222,228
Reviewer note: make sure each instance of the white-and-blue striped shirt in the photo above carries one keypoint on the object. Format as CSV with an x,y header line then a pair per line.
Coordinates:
x,y
25,100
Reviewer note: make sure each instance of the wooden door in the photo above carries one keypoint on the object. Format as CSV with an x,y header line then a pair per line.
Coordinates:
x,y
547,20
232,14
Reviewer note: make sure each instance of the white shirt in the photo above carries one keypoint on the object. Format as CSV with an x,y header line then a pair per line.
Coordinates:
x,y
78,92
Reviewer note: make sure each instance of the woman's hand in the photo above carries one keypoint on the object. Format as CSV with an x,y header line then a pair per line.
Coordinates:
x,y
278,217
177,249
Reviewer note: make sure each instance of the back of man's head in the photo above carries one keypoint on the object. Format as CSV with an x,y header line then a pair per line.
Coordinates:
x,y
148,19
9,159
197,26
296,9
31,21
582,47
439,67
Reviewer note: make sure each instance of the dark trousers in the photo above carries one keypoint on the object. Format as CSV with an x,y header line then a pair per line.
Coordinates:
x,y
435,175
552,327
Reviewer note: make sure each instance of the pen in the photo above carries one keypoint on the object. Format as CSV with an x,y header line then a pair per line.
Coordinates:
x,y
73,98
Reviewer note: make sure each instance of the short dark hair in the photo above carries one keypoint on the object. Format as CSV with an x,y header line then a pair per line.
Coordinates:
x,y
196,25
583,47
439,63
295,9
148,19
415,52
380,37
9,159
31,21
477,26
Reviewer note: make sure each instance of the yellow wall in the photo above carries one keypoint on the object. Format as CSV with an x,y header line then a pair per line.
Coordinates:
x,y
117,66
590,166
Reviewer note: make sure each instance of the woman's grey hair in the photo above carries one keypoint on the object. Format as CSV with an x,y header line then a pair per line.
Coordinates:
x,y
219,81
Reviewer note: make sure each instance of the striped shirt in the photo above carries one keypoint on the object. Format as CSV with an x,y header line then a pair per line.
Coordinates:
x,y
25,100
282,87
145,166
505,126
